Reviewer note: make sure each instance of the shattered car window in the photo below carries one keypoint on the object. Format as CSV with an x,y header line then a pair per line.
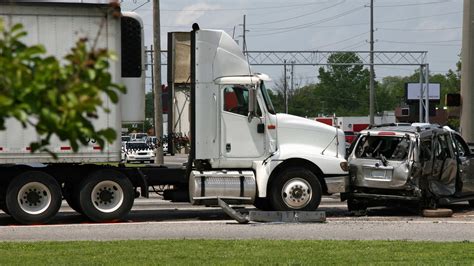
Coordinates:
x,y
442,150
376,147
425,150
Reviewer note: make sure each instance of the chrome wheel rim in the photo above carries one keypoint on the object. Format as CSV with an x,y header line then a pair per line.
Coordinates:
x,y
34,198
107,196
296,193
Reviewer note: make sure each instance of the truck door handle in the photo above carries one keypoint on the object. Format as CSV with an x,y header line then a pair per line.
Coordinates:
x,y
228,147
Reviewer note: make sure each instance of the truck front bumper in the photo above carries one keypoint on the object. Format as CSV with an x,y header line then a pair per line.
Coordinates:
x,y
337,184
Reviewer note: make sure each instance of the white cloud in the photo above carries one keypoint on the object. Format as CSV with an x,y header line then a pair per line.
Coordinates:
x,y
192,13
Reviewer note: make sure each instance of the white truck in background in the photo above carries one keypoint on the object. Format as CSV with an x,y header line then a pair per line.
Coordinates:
x,y
241,150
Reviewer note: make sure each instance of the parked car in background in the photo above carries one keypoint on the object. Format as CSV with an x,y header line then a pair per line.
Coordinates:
x,y
125,139
138,151
427,165
138,136
152,141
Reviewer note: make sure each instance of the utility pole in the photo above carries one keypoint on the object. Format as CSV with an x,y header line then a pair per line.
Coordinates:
x,y
285,88
244,42
157,81
291,80
152,81
372,75
467,80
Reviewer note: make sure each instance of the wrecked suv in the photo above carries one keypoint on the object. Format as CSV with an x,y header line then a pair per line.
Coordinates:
x,y
392,165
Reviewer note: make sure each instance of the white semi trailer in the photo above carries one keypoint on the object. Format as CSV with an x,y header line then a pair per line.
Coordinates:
x,y
242,151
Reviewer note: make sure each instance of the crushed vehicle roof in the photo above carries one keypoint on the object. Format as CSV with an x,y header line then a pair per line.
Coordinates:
x,y
404,129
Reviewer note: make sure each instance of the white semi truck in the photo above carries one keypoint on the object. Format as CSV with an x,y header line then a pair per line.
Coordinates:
x,y
241,150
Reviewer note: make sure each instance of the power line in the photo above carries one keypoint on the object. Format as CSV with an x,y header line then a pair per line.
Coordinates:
x,y
414,4
341,41
426,29
306,25
243,9
354,45
378,22
300,16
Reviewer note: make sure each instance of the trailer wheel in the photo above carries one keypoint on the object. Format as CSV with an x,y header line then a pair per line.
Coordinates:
x,y
106,195
295,189
33,197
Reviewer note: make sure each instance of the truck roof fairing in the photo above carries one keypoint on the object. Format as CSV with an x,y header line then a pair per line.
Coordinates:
x,y
220,53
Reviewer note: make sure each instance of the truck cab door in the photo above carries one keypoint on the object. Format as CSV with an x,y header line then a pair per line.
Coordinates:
x,y
241,136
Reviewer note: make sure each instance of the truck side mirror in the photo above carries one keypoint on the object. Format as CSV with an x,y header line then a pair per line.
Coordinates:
x,y
252,103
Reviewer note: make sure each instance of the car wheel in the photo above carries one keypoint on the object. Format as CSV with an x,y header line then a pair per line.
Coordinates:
x,y
441,212
295,189
106,195
33,197
471,203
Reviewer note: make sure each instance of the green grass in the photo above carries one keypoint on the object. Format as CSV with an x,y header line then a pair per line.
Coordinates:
x,y
236,252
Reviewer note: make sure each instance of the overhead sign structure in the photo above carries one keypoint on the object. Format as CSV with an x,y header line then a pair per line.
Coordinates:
x,y
413,91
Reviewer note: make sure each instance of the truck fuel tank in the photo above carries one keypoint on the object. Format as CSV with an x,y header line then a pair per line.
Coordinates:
x,y
235,187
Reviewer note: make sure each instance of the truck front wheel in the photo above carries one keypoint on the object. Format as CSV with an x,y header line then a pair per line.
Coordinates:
x,y
33,197
106,195
295,189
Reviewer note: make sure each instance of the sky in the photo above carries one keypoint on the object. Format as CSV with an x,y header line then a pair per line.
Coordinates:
x,y
434,26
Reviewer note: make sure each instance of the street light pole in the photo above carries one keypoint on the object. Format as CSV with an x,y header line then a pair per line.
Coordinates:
x,y
372,82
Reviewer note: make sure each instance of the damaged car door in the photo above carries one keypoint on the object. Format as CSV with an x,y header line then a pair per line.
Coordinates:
x,y
465,184
442,181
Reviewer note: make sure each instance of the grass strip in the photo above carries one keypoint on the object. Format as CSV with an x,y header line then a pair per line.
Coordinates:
x,y
235,252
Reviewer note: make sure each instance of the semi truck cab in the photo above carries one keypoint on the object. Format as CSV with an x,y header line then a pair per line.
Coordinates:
x,y
285,161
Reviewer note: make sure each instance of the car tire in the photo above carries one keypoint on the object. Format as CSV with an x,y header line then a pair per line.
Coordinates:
x,y
441,212
106,195
33,197
295,189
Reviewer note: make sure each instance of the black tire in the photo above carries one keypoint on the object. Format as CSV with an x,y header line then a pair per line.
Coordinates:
x,y
33,197
471,203
113,195
295,189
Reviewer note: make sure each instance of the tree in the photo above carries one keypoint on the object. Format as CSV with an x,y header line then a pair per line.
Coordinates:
x,y
149,105
344,88
303,102
56,99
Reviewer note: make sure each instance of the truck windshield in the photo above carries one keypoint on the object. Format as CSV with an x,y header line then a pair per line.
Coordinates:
x,y
266,97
